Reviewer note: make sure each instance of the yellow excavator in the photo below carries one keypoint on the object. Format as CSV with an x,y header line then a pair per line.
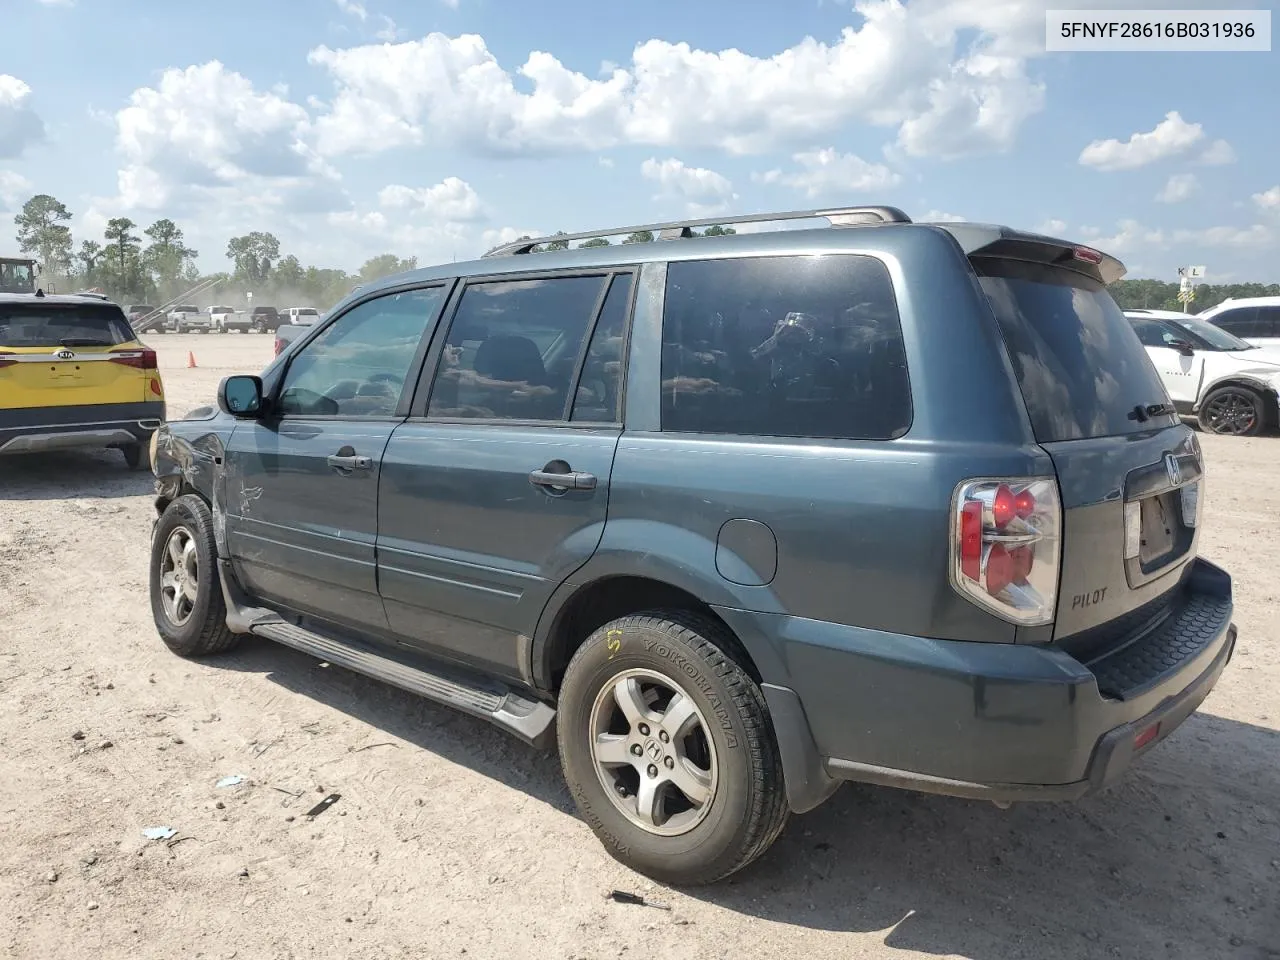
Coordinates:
x,y
18,276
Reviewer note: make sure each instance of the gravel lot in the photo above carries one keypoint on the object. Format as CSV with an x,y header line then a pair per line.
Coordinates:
x,y
452,839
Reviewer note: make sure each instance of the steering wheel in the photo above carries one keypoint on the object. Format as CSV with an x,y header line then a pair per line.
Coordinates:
x,y
389,377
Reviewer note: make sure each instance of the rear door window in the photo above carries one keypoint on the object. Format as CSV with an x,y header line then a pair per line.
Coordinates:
x,y
784,347
1242,321
1079,363
1268,322
52,325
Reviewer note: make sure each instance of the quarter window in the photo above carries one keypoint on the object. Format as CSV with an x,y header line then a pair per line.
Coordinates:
x,y
784,347
513,349
356,367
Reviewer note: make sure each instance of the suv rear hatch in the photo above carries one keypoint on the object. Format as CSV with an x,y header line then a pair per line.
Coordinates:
x,y
70,354
1130,474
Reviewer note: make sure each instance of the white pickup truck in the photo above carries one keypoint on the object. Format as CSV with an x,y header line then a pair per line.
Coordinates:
x,y
294,322
223,319
187,317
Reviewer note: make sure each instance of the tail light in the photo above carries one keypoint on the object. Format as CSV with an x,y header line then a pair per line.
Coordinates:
x,y
279,345
142,359
1005,545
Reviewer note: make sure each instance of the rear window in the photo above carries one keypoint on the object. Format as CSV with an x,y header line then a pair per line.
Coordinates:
x,y
52,325
1079,363
306,312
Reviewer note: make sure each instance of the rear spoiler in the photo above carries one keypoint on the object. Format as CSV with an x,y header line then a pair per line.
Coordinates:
x,y
983,240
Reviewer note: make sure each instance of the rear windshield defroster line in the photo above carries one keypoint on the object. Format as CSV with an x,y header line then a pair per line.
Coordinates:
x,y
1079,363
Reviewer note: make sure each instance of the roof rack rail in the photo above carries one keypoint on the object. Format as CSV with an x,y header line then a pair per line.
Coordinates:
x,y
679,229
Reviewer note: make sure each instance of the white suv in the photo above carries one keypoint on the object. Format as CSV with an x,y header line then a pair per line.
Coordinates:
x,y
1229,385
1256,319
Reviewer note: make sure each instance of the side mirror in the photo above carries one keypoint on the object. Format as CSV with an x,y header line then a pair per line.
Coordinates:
x,y
1183,347
241,396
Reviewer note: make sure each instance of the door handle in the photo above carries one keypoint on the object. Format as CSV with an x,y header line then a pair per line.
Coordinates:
x,y
352,462
574,480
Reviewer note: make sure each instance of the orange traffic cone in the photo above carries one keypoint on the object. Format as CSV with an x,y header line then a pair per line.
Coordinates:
x,y
191,360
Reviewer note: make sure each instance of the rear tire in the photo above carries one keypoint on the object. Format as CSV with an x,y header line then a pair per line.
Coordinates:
x,y
1232,411
186,594
668,750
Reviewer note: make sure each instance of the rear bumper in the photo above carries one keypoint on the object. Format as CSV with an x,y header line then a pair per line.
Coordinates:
x,y
40,429
1000,722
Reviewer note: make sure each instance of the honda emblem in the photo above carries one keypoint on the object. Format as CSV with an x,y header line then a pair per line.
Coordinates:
x,y
1173,469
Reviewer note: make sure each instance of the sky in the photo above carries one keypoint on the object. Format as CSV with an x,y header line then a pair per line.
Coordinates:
x,y
437,128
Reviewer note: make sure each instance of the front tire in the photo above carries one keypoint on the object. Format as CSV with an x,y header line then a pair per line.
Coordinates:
x,y
668,750
1232,411
186,595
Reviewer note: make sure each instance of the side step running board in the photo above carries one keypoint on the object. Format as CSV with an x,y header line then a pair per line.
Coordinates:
x,y
530,720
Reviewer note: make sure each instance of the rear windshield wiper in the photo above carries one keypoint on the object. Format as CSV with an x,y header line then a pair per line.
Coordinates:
x,y
85,342
1143,414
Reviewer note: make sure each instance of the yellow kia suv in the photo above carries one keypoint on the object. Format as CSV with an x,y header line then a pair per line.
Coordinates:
x,y
73,374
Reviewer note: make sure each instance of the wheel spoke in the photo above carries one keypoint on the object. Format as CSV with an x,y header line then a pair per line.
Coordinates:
x,y
692,782
612,750
189,558
168,583
175,550
630,699
190,589
679,717
649,800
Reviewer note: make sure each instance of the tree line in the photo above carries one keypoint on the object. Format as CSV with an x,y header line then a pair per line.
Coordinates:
x,y
155,265
1159,295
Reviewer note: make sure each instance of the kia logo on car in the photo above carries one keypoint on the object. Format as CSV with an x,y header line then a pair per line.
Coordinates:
x,y
1173,469
65,355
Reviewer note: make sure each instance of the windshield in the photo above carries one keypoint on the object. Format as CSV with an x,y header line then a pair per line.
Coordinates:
x,y
15,278
1079,363
52,325
1216,337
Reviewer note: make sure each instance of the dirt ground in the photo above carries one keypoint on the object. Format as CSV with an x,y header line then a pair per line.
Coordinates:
x,y
452,839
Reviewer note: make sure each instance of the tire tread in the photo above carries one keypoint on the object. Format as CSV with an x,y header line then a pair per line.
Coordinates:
x,y
725,658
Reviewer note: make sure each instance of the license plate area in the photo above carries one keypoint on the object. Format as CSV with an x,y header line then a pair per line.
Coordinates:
x,y
1161,516
1164,536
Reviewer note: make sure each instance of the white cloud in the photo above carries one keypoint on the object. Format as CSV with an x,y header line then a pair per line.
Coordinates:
x,y
1171,136
941,216
13,189
1268,200
704,192
1179,187
606,162
493,238
1247,237
205,133
949,77
1219,153
827,172
353,8
1130,236
452,200
1052,228
20,126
